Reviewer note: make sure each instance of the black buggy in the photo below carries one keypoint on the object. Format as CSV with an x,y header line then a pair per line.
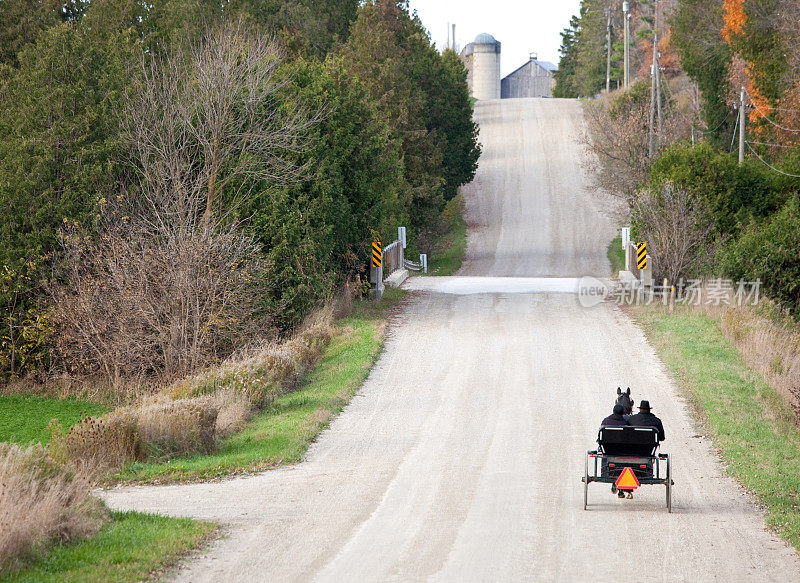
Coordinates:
x,y
621,447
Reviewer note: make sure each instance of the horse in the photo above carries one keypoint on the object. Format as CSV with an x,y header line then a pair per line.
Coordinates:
x,y
625,400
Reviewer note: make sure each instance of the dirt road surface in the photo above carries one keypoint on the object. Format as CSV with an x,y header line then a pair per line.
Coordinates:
x,y
460,459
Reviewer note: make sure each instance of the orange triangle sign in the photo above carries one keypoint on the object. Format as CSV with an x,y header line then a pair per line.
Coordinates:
x,y
627,480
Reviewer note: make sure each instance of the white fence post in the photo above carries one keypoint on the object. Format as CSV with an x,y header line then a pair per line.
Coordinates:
x,y
401,236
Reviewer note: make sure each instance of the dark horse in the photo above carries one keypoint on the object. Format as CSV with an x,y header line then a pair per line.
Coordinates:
x,y
625,400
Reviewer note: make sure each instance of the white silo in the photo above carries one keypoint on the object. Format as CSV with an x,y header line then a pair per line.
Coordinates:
x,y
486,67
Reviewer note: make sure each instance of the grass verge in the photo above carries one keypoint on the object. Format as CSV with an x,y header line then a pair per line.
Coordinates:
x,y
132,547
453,241
24,418
751,424
282,433
616,256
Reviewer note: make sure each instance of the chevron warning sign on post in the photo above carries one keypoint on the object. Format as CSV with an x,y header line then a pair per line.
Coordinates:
x,y
376,254
641,255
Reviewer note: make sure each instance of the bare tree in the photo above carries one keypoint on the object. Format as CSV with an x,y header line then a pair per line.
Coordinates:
x,y
618,133
213,121
676,226
170,281
140,302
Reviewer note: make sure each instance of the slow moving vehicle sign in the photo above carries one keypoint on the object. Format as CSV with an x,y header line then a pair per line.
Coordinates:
x,y
627,480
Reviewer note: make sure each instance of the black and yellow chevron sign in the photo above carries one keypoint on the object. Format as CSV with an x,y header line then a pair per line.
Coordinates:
x,y
641,255
376,254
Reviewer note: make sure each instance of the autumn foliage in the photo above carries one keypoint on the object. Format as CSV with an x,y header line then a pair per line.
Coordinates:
x,y
734,18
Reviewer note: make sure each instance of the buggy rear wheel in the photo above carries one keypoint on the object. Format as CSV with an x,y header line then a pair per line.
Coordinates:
x,y
669,488
586,484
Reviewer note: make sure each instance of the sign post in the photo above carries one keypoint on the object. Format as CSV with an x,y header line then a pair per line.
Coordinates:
x,y
376,270
641,255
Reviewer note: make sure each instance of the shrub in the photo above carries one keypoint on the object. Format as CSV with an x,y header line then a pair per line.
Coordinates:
x,y
40,503
139,301
770,251
177,427
676,226
98,443
733,193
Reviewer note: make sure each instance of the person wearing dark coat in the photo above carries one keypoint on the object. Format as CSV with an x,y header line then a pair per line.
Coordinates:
x,y
616,418
644,418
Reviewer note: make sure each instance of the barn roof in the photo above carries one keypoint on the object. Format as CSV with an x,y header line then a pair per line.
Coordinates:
x,y
546,65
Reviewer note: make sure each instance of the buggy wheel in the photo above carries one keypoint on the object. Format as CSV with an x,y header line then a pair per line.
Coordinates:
x,y
586,484
669,488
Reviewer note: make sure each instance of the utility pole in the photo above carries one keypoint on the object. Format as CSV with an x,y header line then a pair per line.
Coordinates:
x,y
626,77
655,91
454,37
652,149
448,35
608,50
742,125
657,65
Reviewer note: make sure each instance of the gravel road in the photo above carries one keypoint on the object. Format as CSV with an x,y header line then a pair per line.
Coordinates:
x,y
460,459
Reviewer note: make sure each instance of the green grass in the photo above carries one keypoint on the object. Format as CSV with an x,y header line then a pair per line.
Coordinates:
x,y
24,418
750,423
453,243
282,433
616,256
132,547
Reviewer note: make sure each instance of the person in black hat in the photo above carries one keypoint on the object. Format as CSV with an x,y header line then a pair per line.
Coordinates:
x,y
644,418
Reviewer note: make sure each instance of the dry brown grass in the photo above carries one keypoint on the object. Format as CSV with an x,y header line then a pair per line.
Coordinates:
x,y
263,372
769,343
177,427
193,414
99,443
41,502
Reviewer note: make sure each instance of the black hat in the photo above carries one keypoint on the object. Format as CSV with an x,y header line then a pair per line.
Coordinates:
x,y
618,409
644,405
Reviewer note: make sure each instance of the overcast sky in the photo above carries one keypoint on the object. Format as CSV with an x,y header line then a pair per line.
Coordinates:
x,y
522,26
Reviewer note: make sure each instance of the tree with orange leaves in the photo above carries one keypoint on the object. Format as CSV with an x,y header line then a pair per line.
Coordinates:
x,y
751,30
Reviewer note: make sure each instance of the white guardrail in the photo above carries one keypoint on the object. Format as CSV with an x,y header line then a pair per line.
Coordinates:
x,y
393,257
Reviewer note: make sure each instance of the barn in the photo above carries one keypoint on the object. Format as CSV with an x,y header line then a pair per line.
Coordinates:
x,y
533,79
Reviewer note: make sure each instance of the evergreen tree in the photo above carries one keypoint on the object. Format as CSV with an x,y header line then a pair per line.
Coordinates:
x,y
60,157
565,76
385,51
319,229
451,113
21,23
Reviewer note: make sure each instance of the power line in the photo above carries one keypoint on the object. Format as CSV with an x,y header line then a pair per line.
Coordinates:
x,y
719,125
781,108
767,164
733,137
764,115
770,144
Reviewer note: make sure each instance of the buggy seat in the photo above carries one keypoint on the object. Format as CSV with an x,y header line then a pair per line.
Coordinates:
x,y
627,440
